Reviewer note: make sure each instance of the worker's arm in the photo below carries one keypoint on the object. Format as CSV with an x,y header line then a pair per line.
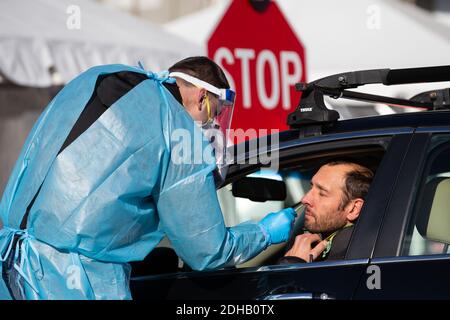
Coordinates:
x,y
191,217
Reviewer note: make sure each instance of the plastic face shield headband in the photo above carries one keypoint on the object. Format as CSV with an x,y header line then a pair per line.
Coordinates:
x,y
225,107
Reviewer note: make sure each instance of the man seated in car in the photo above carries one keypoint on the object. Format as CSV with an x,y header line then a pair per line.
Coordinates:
x,y
332,206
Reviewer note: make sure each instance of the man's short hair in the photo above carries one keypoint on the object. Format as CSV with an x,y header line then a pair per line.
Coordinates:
x,y
204,69
357,181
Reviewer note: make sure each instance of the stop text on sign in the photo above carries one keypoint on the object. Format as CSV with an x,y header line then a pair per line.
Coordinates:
x,y
285,70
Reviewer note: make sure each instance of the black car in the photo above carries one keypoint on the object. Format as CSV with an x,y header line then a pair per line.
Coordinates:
x,y
399,246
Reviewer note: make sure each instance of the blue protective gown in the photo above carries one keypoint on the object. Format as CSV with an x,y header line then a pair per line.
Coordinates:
x,y
111,196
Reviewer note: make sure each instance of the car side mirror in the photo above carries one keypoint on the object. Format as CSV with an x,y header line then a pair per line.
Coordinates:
x,y
259,189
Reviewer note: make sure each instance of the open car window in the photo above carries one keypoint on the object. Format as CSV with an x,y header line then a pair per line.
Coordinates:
x,y
236,208
240,201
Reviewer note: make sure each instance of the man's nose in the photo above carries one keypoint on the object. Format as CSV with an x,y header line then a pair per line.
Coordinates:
x,y
306,200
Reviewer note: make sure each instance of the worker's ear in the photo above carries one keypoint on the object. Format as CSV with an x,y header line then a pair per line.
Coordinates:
x,y
353,209
200,98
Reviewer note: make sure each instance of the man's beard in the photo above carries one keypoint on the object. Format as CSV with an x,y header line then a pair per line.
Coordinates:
x,y
320,226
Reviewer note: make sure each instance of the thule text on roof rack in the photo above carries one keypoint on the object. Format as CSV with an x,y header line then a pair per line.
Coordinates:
x,y
312,116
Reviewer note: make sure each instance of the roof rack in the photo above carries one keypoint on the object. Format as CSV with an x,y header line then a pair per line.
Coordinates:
x,y
311,115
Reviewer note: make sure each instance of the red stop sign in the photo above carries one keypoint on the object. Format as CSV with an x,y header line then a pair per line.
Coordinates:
x,y
263,59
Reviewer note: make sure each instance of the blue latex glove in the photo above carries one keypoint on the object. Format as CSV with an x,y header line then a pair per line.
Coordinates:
x,y
278,225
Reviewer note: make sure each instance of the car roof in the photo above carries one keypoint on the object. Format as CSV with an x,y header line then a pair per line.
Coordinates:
x,y
411,119
358,125
381,122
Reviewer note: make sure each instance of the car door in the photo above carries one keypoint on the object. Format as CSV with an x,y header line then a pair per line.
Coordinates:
x,y
411,258
327,279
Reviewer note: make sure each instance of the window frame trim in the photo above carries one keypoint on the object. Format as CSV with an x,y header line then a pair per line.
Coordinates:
x,y
399,213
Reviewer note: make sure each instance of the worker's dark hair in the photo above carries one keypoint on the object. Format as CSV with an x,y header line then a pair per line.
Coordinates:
x,y
357,181
204,69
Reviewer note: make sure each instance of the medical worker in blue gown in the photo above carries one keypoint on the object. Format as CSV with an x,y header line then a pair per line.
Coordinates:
x,y
97,185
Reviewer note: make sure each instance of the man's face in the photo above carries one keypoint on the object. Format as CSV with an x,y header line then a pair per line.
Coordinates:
x,y
323,212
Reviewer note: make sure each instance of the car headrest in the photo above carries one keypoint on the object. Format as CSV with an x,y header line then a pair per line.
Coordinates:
x,y
434,211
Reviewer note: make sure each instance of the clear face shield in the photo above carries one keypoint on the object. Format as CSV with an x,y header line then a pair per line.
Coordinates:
x,y
225,109
220,114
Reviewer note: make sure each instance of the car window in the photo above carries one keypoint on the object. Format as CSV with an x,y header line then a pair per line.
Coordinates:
x,y
295,173
239,209
297,166
429,231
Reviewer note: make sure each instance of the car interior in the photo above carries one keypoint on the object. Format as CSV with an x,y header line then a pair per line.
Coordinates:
x,y
430,232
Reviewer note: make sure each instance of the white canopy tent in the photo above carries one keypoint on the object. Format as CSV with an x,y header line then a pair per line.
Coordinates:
x,y
349,35
39,35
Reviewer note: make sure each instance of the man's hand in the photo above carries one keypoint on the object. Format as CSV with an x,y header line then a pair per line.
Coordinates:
x,y
302,247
